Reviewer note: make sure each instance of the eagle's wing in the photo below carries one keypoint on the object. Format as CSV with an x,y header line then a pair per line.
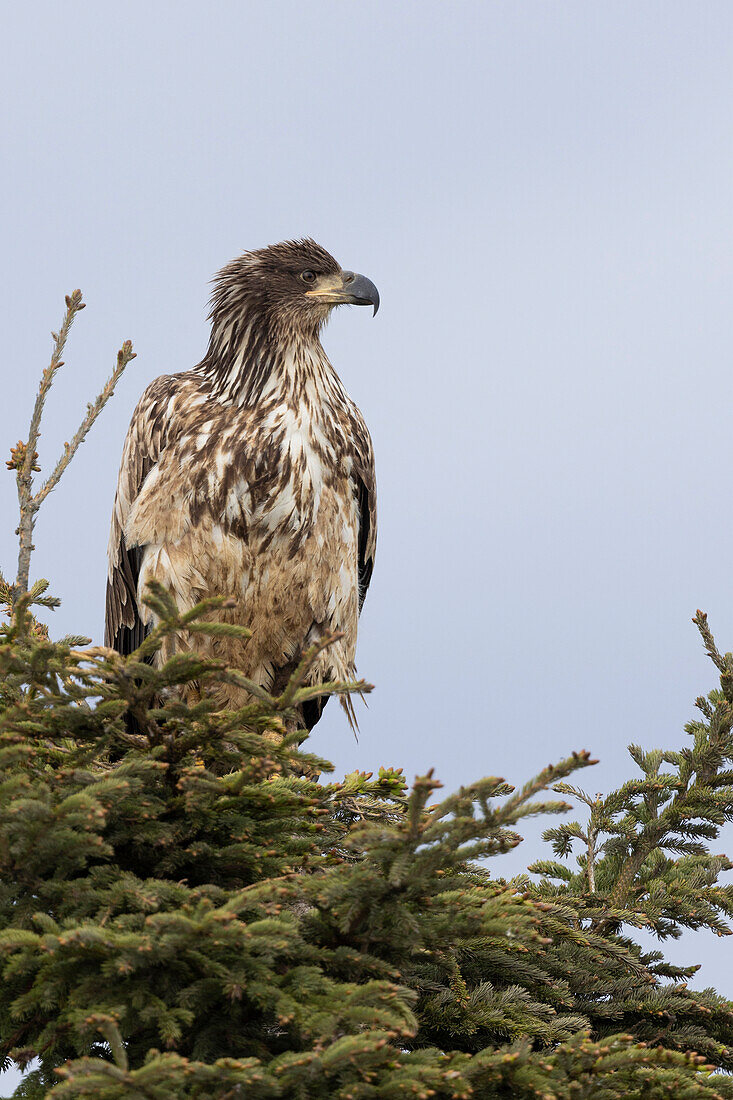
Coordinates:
x,y
124,629
365,485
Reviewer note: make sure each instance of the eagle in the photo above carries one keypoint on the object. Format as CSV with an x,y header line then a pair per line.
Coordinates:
x,y
251,476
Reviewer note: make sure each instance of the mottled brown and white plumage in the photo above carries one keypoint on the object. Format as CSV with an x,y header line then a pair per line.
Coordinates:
x,y
252,476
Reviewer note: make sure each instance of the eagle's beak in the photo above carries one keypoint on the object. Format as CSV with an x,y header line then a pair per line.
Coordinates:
x,y
346,288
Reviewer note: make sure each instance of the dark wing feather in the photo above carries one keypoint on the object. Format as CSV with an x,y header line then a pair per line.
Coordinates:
x,y
365,489
126,638
367,536
124,629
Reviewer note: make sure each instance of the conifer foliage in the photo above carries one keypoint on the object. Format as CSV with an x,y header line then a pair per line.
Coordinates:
x,y
186,910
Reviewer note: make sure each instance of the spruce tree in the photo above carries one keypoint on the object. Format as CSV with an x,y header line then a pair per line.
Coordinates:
x,y
188,910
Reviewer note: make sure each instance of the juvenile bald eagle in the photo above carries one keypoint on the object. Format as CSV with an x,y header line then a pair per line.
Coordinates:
x,y
252,476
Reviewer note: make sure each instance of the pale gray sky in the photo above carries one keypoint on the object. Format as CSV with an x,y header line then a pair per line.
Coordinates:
x,y
543,195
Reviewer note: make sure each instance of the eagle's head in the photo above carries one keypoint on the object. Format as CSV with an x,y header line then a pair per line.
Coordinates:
x,y
291,286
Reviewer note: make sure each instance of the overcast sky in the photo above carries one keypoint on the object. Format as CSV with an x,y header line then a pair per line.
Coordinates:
x,y
543,193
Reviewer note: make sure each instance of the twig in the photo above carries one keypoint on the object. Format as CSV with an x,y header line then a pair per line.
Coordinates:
x,y
124,355
24,455
590,864
26,458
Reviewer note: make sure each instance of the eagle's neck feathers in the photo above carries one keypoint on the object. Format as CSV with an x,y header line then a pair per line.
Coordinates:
x,y
250,360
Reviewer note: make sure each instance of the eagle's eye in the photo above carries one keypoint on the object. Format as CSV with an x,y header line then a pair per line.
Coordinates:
x,y
308,276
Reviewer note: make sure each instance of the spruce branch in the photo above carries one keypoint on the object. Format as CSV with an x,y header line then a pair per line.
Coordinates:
x,y
645,858
299,676
110,1030
700,619
520,805
187,890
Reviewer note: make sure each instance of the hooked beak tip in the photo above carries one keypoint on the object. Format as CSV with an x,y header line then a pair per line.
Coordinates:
x,y
362,291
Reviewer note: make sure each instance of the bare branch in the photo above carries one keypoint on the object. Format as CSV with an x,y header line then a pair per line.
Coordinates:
x,y
23,457
73,305
124,355
24,476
